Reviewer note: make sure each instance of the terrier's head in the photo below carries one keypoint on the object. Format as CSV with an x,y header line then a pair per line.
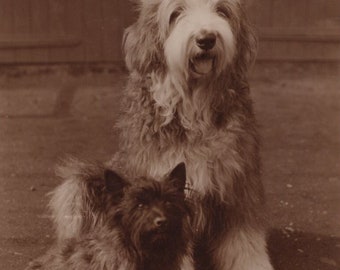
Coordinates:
x,y
151,213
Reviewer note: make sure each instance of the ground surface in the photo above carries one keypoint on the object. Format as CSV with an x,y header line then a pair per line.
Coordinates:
x,y
47,114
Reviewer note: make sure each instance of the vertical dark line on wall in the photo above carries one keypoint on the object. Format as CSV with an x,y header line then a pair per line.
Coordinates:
x,y
102,29
48,6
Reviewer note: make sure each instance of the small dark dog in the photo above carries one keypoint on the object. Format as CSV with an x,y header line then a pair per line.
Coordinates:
x,y
144,225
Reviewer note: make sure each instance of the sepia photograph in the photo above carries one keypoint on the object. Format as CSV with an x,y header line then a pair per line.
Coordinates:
x,y
169,135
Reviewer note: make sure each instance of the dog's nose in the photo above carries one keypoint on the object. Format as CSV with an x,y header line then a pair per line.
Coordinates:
x,y
206,41
160,221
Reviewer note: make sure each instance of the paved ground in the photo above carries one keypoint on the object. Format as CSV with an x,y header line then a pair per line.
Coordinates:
x,y
46,114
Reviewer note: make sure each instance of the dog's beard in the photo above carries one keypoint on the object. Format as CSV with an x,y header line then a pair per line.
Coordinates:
x,y
158,237
155,239
146,240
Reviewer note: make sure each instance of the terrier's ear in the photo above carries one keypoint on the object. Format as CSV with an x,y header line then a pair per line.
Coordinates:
x,y
178,176
113,181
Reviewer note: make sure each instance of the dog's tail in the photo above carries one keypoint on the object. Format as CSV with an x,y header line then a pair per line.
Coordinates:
x,y
70,203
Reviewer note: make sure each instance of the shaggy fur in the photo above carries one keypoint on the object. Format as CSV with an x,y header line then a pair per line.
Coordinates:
x,y
187,99
184,103
142,224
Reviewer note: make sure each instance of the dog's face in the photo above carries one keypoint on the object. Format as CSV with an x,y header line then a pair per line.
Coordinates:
x,y
190,38
199,38
151,212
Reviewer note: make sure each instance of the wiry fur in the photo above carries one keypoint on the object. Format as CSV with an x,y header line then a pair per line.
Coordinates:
x,y
77,175
178,107
140,224
82,187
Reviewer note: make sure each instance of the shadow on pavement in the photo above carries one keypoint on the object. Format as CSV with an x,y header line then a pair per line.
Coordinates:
x,y
303,251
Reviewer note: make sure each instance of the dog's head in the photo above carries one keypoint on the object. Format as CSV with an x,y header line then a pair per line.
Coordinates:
x,y
196,38
151,213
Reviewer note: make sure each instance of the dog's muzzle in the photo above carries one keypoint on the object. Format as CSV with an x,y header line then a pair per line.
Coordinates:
x,y
202,64
204,60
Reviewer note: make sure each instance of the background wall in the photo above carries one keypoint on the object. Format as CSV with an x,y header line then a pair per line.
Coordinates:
x,y
54,31
297,29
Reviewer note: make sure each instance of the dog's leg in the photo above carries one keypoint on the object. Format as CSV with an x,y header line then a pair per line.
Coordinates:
x,y
188,262
242,249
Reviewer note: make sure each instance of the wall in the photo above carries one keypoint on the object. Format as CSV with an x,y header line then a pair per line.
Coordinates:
x,y
297,29
62,30
52,31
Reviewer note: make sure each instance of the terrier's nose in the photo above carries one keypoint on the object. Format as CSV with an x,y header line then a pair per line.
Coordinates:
x,y
160,221
206,41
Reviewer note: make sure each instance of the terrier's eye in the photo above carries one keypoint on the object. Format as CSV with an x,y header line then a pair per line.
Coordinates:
x,y
140,205
174,15
223,12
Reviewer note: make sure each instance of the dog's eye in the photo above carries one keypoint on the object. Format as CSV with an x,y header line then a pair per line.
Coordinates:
x,y
223,12
140,205
174,15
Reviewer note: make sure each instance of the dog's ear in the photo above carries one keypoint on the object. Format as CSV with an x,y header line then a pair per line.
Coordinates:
x,y
113,181
246,49
141,49
178,176
141,41
129,41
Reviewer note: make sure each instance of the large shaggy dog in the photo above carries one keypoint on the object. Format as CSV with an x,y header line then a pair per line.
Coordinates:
x,y
187,99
